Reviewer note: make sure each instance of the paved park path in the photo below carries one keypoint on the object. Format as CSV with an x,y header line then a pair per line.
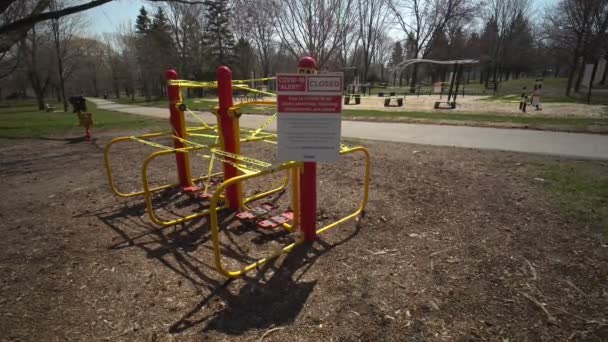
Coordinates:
x,y
579,145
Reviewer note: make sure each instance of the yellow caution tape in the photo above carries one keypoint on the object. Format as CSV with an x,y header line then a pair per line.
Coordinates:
x,y
212,136
240,167
213,84
153,144
242,158
254,90
192,84
253,80
237,157
264,125
205,124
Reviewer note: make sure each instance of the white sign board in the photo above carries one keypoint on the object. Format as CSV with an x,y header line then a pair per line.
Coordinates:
x,y
309,118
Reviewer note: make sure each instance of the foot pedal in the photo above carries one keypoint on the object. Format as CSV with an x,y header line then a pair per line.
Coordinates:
x,y
190,189
276,221
256,212
203,196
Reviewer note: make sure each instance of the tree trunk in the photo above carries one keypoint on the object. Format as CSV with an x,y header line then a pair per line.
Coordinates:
x,y
603,81
573,66
95,90
414,79
591,82
56,38
40,100
579,78
116,89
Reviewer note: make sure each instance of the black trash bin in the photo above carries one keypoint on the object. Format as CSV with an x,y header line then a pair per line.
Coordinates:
x,y
357,99
346,100
380,94
400,102
387,102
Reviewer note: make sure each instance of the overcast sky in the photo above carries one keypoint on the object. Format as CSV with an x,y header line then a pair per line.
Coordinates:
x,y
107,17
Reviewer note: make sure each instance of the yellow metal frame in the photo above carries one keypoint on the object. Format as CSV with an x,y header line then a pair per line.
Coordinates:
x,y
294,168
147,192
108,167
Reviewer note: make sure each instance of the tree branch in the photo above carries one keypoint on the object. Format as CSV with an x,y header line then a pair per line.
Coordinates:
x,y
33,19
30,20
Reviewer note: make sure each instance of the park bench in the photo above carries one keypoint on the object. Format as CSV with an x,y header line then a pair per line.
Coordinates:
x,y
48,108
356,97
445,105
397,99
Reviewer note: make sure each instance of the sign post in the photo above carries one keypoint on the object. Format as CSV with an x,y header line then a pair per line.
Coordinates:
x,y
309,125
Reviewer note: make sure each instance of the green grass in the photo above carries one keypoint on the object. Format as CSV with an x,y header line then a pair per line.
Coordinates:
x,y
581,189
22,120
480,118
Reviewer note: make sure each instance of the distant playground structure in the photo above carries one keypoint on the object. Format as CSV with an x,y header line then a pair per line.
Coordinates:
x,y
221,143
503,96
392,99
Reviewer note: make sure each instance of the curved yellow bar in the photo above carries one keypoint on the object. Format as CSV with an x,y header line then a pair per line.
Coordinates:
x,y
213,208
147,192
294,167
106,159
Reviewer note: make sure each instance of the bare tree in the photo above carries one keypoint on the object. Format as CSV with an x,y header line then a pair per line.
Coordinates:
x,y
187,23
63,30
253,22
422,20
580,28
312,27
373,19
39,13
503,13
35,47
127,43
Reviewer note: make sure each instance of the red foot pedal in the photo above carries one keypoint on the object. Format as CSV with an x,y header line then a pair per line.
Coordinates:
x,y
276,221
190,189
256,212
204,195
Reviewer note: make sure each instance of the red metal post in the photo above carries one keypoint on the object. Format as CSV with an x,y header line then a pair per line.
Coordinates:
x,y
308,176
179,129
229,132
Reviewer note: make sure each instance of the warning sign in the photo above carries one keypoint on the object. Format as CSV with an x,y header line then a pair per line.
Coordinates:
x,y
309,118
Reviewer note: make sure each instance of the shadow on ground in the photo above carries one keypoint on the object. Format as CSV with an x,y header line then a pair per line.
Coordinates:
x,y
273,296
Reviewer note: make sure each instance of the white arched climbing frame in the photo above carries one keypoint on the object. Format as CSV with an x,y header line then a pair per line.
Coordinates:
x,y
408,62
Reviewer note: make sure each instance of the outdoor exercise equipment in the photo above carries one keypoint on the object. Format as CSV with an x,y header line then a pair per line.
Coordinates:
x,y
533,98
456,78
85,119
224,190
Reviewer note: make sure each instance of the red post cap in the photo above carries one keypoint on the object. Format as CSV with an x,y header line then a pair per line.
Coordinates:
x,y
171,74
223,71
307,62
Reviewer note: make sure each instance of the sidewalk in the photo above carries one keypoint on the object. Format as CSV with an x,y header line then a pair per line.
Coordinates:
x,y
578,145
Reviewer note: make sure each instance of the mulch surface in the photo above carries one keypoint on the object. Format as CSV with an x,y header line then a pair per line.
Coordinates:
x,y
456,245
